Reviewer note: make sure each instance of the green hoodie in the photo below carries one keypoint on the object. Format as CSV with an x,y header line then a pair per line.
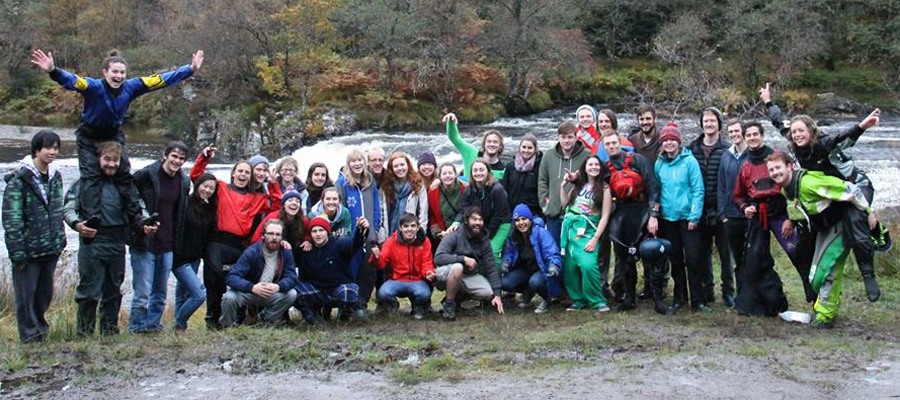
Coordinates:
x,y
550,175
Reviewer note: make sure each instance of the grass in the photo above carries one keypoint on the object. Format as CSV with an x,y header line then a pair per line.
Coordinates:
x,y
478,343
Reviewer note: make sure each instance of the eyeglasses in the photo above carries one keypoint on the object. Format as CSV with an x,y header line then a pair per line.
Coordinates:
x,y
272,234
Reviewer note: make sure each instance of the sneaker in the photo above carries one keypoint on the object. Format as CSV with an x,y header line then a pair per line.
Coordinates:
x,y
418,312
702,308
728,299
575,308
602,309
449,312
360,313
675,307
524,300
543,307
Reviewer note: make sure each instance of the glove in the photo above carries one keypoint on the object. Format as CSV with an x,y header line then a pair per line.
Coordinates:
x,y
553,270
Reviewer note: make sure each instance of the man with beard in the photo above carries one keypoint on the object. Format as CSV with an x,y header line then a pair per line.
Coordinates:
x,y
708,149
264,276
466,267
637,207
830,204
645,138
759,199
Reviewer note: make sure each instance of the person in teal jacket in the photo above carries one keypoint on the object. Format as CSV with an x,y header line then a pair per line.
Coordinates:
x,y
106,104
491,148
681,207
331,209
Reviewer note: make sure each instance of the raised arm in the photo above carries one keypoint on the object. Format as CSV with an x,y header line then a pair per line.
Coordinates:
x,y
466,150
44,61
775,114
202,161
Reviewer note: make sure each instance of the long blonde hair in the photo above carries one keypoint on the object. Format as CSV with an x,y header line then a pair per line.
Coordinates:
x,y
365,179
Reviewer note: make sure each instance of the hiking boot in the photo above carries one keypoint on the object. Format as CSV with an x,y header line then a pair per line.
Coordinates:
x,y
661,307
449,312
543,307
872,289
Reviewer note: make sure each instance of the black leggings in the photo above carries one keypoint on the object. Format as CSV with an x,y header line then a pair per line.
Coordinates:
x,y
218,255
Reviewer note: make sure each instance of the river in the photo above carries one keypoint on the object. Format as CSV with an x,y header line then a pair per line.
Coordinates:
x,y
877,152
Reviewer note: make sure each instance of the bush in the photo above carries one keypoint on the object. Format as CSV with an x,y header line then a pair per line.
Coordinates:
x,y
539,100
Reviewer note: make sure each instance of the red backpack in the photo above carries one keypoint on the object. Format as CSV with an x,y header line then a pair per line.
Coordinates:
x,y
626,184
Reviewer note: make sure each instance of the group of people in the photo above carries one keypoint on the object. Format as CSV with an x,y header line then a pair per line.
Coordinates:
x,y
543,224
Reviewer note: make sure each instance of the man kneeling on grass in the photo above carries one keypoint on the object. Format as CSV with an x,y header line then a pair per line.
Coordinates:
x,y
325,278
466,268
264,276
408,253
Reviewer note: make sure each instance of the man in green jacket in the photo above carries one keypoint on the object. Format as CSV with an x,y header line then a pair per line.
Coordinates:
x,y
566,156
838,213
34,233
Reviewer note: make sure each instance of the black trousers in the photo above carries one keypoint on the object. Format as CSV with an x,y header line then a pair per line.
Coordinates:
x,y
218,255
713,232
735,233
91,176
101,270
685,260
33,284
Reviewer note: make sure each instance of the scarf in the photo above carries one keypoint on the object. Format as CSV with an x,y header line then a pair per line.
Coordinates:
x,y
315,196
758,156
401,194
522,165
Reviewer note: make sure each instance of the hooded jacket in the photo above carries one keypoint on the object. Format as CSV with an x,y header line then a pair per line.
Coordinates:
x,y
522,187
493,204
550,175
728,172
462,243
409,262
249,268
146,180
546,252
681,187
33,214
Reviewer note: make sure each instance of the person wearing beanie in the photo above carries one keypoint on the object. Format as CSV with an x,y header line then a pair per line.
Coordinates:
x,y
645,136
427,166
681,208
708,149
259,164
296,231
325,277
531,260
587,132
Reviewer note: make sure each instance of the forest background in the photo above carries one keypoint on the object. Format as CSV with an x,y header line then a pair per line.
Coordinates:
x,y
396,63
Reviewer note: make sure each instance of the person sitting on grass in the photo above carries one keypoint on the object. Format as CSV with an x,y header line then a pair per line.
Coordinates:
x,y
264,276
325,279
408,254
832,206
466,267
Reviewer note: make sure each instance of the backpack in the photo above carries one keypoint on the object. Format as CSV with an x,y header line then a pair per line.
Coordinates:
x,y
626,184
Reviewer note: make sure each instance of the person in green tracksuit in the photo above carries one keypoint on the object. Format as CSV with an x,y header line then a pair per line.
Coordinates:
x,y
486,193
588,206
491,148
833,207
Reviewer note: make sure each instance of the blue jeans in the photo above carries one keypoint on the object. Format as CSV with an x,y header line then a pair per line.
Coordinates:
x,y
417,292
150,275
189,293
554,225
514,281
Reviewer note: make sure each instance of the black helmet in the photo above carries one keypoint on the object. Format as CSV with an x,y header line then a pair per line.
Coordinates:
x,y
654,249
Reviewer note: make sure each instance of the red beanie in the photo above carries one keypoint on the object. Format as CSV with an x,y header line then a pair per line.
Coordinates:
x,y
320,222
670,132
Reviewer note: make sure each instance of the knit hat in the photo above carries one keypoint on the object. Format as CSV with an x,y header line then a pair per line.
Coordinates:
x,y
715,111
320,222
290,194
522,211
427,158
258,159
670,132
586,107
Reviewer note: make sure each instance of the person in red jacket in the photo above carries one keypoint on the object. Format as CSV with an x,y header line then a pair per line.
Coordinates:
x,y
408,253
237,206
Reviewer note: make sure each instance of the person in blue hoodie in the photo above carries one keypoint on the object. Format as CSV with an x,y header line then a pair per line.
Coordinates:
x,y
358,190
681,207
729,214
531,260
106,104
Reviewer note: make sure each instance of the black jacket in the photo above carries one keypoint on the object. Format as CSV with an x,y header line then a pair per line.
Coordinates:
x,y
522,187
493,203
146,181
709,167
